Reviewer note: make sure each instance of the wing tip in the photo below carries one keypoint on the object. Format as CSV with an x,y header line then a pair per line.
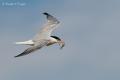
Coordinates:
x,y
17,56
51,18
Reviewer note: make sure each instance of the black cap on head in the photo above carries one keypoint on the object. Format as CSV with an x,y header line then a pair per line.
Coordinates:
x,y
45,13
56,38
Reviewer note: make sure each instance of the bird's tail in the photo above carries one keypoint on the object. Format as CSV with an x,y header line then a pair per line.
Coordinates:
x,y
20,43
29,42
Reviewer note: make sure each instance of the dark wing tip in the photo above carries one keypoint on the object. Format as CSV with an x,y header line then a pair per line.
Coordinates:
x,y
18,55
23,53
51,18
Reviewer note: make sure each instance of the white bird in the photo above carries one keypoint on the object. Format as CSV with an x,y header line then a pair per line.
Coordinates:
x,y
43,38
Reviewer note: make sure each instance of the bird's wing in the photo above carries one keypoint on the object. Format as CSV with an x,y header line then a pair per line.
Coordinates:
x,y
37,46
47,28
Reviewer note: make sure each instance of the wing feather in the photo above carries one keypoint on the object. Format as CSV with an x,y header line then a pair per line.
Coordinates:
x,y
47,28
38,45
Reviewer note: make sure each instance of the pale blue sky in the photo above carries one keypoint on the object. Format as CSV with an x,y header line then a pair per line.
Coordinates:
x,y
90,28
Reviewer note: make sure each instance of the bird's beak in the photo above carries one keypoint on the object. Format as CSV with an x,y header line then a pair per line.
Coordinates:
x,y
61,44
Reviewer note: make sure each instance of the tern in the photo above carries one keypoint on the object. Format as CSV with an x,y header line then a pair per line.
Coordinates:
x,y
43,37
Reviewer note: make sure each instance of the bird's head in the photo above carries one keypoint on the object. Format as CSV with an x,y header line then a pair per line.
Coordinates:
x,y
59,41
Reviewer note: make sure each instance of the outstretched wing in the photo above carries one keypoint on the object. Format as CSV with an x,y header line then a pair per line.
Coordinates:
x,y
33,48
47,28
27,51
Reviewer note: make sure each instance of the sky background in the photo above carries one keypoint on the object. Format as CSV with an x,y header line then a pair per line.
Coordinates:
x,y
90,29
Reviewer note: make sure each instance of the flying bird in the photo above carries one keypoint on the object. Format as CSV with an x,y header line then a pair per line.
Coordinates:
x,y
43,37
